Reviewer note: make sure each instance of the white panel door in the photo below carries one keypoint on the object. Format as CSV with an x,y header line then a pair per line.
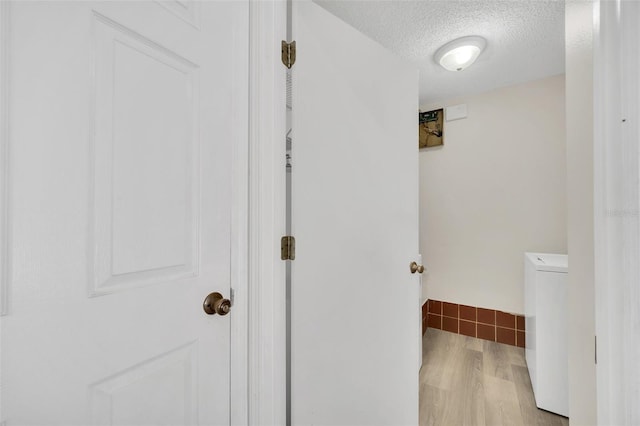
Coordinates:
x,y
355,304
119,195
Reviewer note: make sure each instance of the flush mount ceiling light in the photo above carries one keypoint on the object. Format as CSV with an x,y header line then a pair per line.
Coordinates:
x,y
460,53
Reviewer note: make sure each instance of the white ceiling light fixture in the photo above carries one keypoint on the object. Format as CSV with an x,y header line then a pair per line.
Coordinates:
x,y
460,53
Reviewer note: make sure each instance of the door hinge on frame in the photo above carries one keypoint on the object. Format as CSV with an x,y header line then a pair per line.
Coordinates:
x,y
595,348
288,53
287,248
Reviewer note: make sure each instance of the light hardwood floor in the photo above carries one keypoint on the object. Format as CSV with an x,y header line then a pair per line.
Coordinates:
x,y
467,381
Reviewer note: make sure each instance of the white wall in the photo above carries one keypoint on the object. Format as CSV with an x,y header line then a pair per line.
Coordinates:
x,y
617,218
496,189
579,22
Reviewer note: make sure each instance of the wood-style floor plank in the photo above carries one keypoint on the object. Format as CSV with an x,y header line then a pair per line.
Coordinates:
x,y
432,404
530,413
501,402
467,381
468,387
497,360
524,390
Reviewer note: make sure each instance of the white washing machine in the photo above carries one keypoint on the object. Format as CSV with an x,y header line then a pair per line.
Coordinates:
x,y
545,306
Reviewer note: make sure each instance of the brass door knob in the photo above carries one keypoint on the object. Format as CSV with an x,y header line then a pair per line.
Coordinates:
x,y
414,267
214,303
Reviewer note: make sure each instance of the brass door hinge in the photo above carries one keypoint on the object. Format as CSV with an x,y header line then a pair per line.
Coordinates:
x,y
288,53
287,248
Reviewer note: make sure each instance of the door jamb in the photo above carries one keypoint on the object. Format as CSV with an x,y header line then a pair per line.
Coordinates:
x,y
266,214
4,167
238,414
615,97
601,107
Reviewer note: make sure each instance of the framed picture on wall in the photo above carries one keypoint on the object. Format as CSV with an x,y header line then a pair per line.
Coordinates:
x,y
431,129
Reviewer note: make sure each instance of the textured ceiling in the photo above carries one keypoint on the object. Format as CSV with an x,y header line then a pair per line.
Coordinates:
x,y
525,39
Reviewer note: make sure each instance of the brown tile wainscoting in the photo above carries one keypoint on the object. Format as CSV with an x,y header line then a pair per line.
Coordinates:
x,y
487,324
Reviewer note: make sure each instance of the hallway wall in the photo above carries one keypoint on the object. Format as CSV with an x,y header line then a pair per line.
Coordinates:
x,y
495,189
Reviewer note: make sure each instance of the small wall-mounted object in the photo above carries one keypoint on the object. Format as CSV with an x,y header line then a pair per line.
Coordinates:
x,y
456,112
431,128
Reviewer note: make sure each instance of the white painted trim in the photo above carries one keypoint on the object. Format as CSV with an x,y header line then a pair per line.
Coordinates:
x,y
601,106
617,211
267,180
4,174
239,407
4,153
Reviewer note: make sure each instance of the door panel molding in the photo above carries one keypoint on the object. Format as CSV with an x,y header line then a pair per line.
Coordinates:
x,y
188,11
105,404
121,223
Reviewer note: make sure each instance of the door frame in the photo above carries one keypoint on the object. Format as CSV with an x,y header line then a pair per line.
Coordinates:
x,y
603,37
614,98
239,250
4,172
267,196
